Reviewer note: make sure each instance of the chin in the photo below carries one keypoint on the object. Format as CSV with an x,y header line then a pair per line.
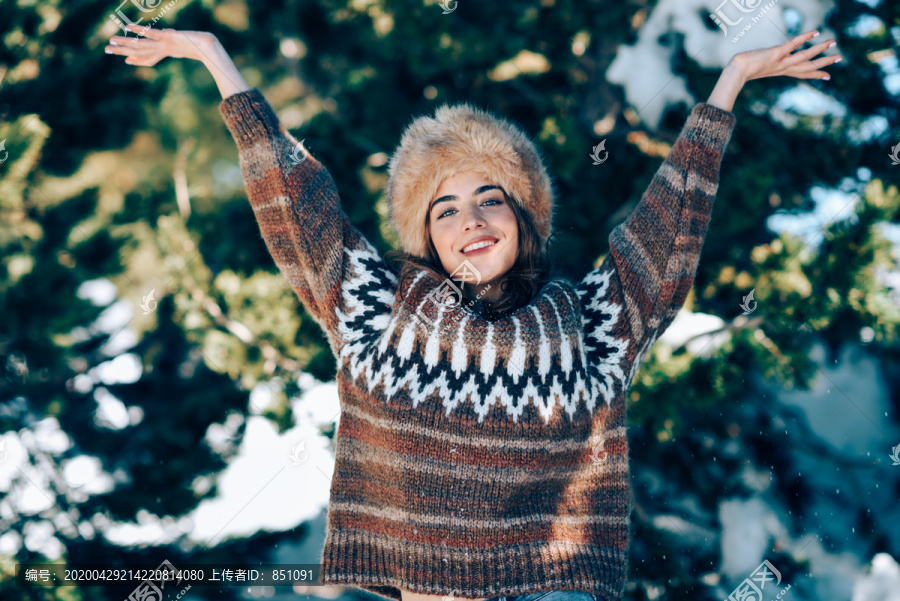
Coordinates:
x,y
487,274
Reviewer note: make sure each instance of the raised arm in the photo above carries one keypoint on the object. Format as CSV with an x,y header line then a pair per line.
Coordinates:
x,y
654,254
337,274
298,210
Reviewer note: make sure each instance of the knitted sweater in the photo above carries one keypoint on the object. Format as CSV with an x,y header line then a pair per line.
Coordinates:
x,y
474,457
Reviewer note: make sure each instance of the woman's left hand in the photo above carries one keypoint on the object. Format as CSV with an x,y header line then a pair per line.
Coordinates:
x,y
769,62
782,60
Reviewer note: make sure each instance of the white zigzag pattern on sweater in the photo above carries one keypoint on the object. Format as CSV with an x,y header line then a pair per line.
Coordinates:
x,y
372,318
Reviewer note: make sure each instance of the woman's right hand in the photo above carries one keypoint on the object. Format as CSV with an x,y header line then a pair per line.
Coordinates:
x,y
157,44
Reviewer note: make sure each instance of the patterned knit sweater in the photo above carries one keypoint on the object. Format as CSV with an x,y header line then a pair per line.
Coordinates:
x,y
479,458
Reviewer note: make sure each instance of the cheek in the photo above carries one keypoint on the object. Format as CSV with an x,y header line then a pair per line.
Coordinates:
x,y
511,227
512,253
442,242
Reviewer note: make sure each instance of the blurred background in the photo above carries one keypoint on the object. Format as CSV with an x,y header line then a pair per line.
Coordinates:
x,y
164,395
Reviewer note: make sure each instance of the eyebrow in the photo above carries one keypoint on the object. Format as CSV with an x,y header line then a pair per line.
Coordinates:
x,y
480,190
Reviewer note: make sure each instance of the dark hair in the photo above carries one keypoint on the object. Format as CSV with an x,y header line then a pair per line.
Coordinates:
x,y
526,277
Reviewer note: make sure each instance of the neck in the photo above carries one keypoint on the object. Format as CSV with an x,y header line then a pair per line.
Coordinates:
x,y
487,292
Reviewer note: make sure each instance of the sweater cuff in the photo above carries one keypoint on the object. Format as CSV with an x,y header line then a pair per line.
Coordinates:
x,y
712,126
249,117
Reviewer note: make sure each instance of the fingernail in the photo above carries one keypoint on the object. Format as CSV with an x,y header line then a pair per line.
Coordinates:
x,y
815,34
838,59
826,77
832,44
114,43
108,51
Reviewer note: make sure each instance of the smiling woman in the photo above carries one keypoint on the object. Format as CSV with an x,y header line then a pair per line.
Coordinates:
x,y
474,229
479,454
494,280
487,184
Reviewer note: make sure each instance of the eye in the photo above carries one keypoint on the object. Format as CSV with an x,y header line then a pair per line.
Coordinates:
x,y
494,200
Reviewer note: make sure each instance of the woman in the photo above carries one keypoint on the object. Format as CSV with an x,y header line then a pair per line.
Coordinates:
x,y
482,450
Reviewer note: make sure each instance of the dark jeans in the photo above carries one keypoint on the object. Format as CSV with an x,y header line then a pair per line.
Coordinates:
x,y
552,596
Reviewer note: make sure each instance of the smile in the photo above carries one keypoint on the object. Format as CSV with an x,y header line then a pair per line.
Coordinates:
x,y
478,246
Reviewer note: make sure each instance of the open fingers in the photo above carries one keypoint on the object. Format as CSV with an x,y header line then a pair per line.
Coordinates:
x,y
811,75
147,32
117,48
133,47
132,50
797,41
805,55
824,61
812,69
124,51
127,47
123,42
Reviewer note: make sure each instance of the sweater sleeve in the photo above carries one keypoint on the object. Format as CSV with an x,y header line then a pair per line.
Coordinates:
x,y
324,258
655,252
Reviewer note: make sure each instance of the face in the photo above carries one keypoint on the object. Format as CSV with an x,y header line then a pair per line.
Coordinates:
x,y
467,207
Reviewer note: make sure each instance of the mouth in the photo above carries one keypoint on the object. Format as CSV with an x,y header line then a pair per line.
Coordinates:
x,y
479,247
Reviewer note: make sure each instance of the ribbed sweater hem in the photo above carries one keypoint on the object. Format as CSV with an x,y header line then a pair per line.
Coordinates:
x,y
384,567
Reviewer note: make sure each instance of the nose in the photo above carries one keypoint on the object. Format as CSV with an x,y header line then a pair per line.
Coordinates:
x,y
472,218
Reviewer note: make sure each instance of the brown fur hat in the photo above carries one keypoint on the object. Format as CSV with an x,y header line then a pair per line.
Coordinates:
x,y
459,138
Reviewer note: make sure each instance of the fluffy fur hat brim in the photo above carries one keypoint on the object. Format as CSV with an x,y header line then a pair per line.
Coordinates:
x,y
460,138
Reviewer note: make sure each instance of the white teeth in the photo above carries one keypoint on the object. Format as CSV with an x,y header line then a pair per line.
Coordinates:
x,y
478,245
